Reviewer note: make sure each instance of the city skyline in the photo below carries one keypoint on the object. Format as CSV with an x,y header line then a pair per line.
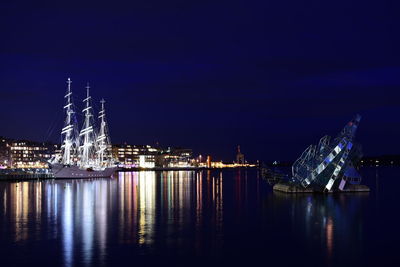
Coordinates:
x,y
244,76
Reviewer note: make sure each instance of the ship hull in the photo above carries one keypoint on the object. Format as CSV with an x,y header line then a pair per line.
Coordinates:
x,y
74,172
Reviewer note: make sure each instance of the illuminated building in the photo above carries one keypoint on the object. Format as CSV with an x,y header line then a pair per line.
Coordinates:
x,y
220,165
178,157
27,154
146,161
132,156
4,153
146,156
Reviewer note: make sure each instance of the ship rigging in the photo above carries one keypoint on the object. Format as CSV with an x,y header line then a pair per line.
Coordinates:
x,y
87,154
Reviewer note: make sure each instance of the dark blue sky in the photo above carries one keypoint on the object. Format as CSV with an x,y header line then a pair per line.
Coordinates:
x,y
272,76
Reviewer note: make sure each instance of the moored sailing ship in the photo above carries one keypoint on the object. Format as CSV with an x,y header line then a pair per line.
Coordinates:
x,y
86,154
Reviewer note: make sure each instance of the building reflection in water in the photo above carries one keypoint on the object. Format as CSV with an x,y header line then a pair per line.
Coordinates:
x,y
86,215
146,207
21,204
67,227
320,218
178,214
127,205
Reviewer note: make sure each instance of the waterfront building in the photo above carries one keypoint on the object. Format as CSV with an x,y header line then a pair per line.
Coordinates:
x,y
133,156
4,153
28,154
178,157
220,165
146,156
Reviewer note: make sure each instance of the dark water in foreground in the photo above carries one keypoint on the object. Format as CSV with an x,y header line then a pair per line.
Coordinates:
x,y
197,218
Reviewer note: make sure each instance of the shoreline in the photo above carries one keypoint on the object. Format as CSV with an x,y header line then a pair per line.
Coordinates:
x,y
182,169
26,176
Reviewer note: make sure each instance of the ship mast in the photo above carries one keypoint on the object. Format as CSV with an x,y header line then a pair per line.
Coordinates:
x,y
87,149
67,131
103,141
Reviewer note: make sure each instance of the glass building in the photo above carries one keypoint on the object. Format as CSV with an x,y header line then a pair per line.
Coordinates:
x,y
329,166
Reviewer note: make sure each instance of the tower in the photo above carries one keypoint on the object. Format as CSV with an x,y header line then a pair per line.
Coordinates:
x,y
239,156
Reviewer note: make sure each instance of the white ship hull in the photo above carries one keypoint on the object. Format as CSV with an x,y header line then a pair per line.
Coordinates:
x,y
67,172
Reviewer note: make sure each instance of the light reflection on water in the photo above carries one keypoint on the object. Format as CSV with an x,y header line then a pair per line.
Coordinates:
x,y
229,215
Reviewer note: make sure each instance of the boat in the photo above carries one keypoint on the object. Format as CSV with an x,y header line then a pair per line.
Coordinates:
x,y
86,154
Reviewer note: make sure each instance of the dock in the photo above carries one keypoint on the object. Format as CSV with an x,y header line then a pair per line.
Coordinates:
x,y
290,188
25,174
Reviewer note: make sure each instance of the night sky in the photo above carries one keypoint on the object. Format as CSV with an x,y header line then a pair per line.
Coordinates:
x,y
272,76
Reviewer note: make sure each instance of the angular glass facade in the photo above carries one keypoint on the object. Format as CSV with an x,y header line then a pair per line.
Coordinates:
x,y
324,166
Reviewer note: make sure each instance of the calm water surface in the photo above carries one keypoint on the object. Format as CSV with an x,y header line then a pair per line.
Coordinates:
x,y
197,218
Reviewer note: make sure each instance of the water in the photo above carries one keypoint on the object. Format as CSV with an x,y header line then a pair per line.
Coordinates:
x,y
197,218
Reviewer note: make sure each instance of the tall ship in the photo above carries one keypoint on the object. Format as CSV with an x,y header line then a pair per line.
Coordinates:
x,y
84,154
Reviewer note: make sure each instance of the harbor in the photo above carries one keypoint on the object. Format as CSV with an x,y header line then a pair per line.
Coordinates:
x,y
199,133
330,167
139,211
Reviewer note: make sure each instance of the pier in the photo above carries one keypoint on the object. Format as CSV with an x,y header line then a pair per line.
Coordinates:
x,y
25,174
291,188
